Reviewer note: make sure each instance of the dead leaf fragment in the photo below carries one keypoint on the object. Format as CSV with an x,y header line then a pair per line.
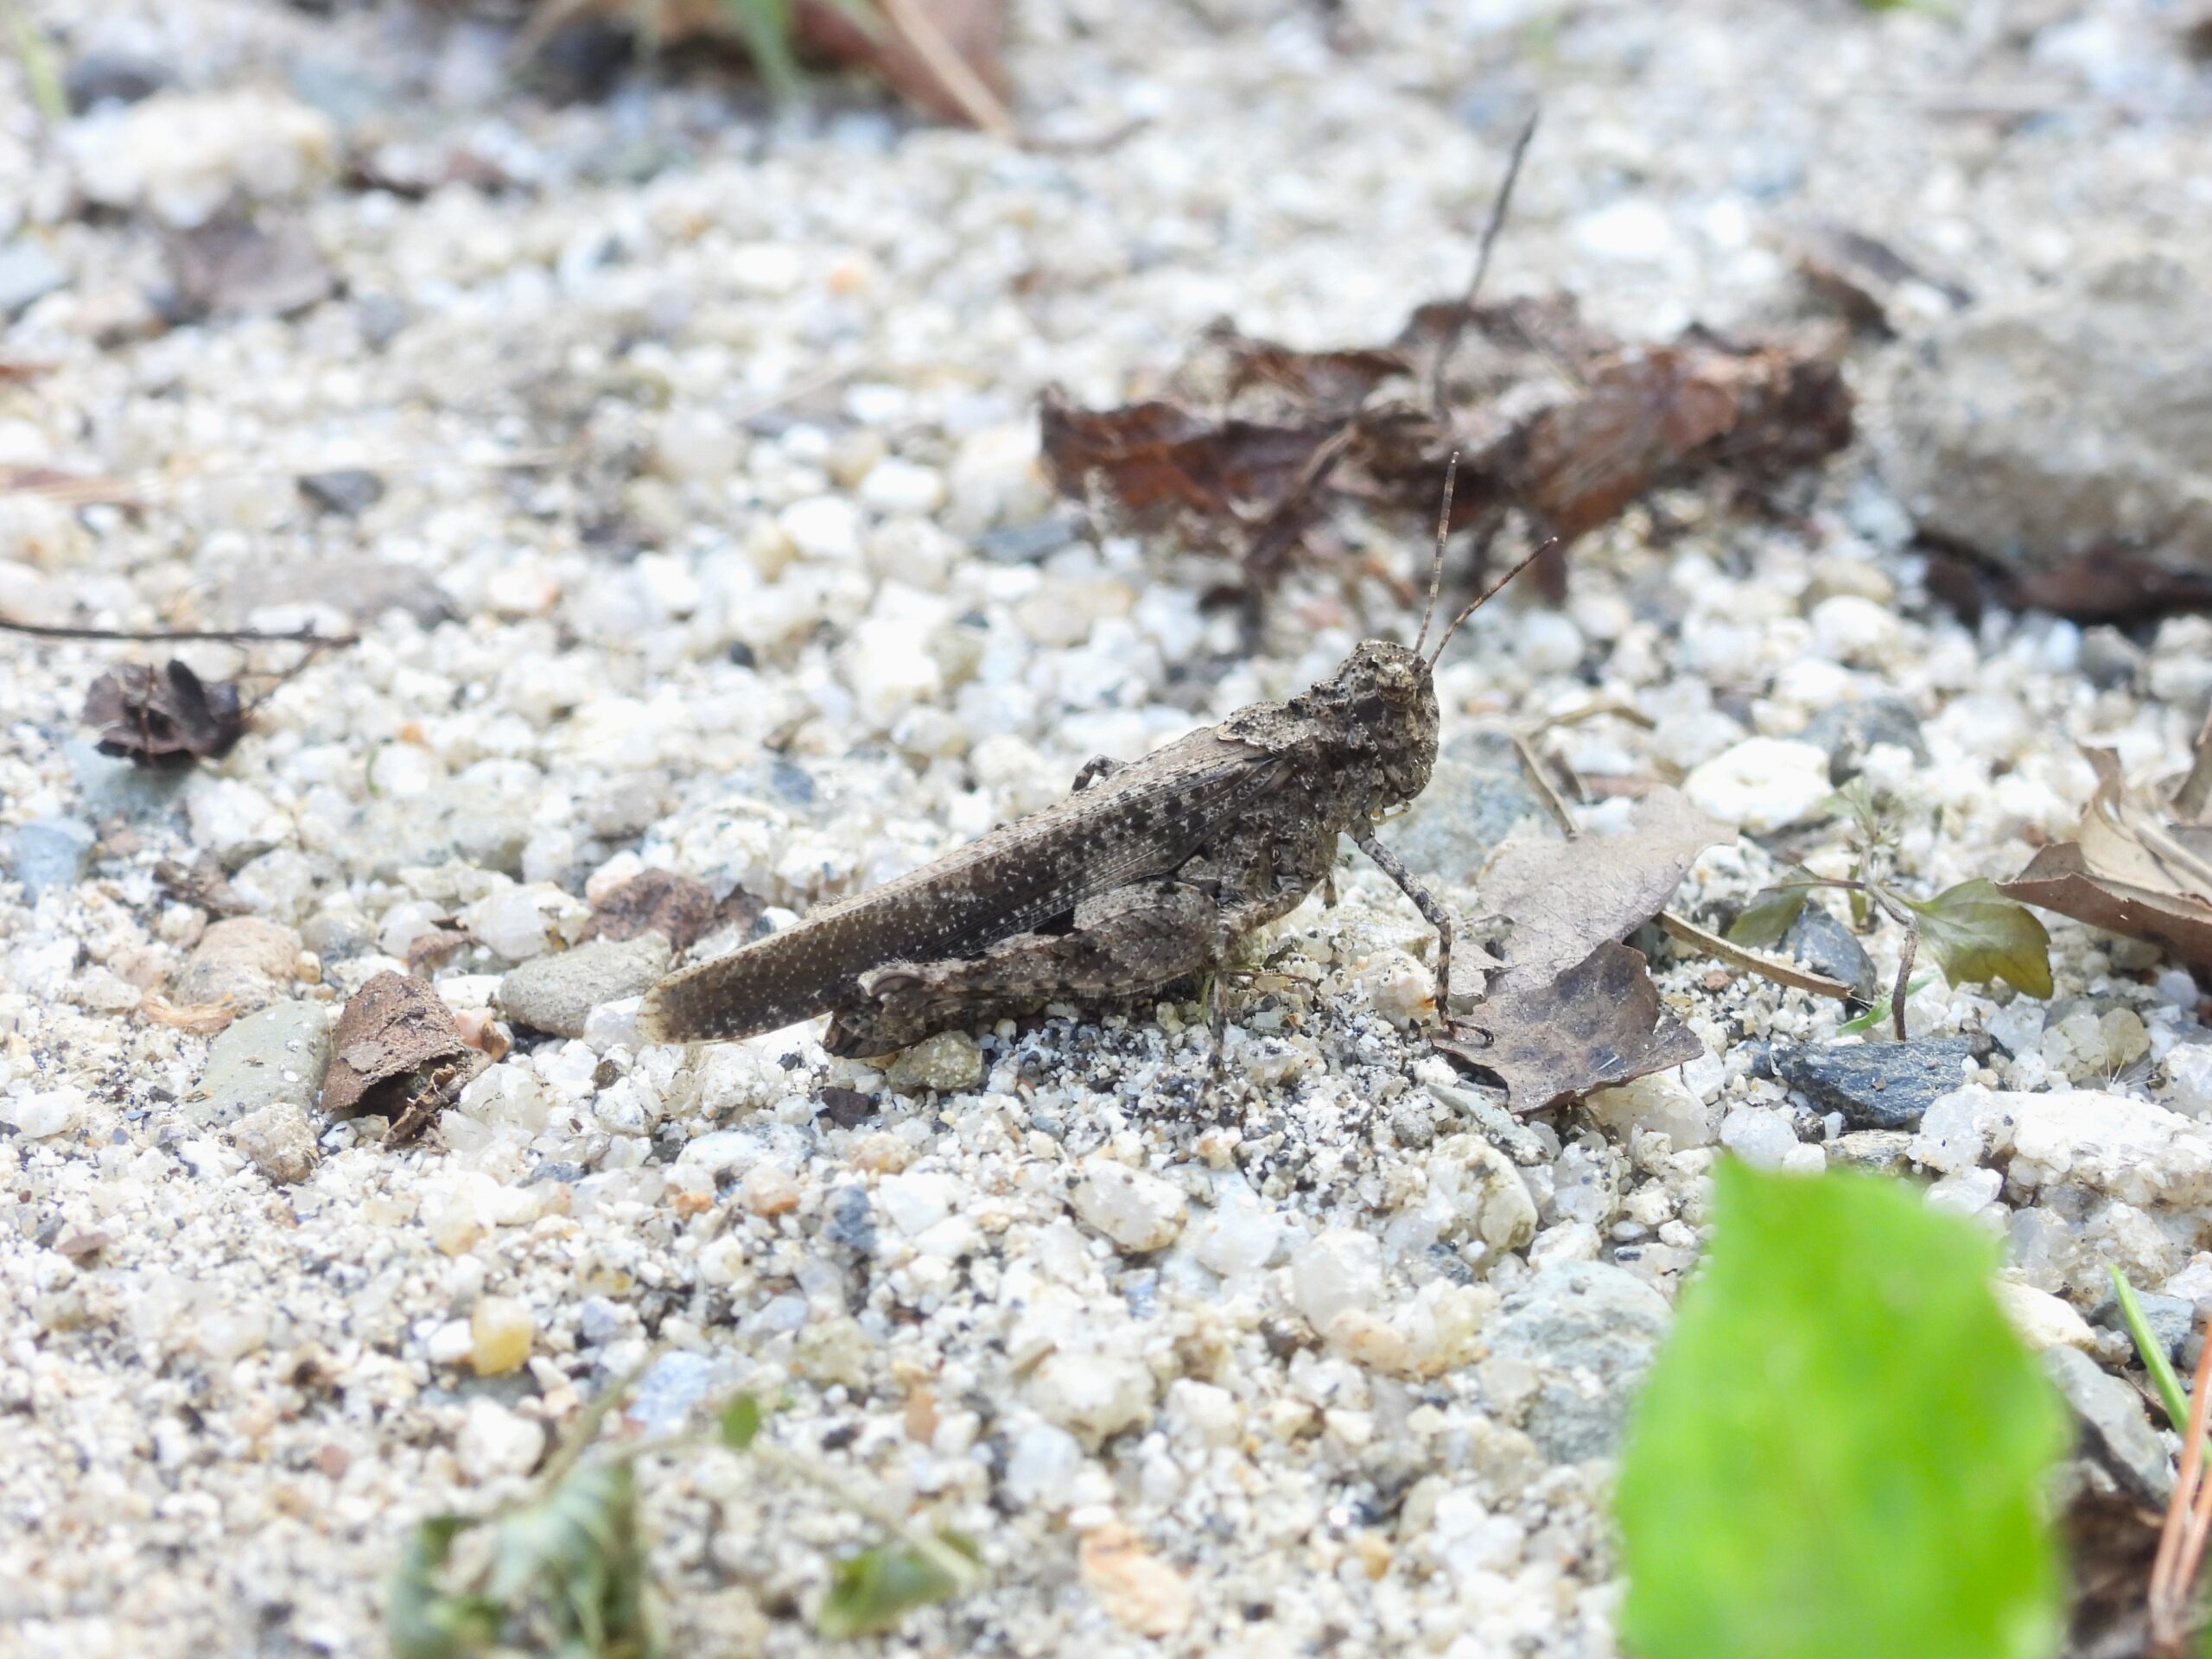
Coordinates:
x,y
234,267
1253,443
167,717
1597,1025
680,908
1140,1592
202,884
398,1052
1564,897
2130,869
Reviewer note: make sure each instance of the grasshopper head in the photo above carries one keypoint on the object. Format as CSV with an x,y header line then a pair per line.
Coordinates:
x,y
1387,701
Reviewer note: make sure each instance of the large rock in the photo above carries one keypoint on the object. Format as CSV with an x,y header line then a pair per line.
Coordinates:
x,y
1588,1330
2043,431
270,1059
557,993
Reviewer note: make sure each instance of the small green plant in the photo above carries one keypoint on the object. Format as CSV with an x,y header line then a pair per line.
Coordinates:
x,y
562,1570
1976,934
1841,1450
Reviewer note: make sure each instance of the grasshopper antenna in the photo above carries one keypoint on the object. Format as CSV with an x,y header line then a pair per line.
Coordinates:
x,y
1485,598
1436,564
1449,346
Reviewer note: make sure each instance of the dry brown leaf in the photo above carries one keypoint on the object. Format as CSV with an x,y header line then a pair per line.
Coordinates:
x,y
398,1052
203,1019
1599,1023
164,718
234,267
1252,441
1564,897
2130,869
202,884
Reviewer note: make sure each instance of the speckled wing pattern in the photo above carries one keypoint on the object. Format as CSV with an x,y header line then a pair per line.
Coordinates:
x,y
1143,820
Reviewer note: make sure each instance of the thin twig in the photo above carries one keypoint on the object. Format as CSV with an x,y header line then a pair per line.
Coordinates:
x,y
1539,777
1904,990
307,637
2195,789
1499,204
1752,962
960,83
2169,1591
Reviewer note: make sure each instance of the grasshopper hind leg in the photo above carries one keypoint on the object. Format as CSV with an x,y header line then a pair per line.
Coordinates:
x,y
1122,944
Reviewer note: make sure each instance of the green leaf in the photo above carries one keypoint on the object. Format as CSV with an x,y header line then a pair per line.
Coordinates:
x,y
1877,1013
566,1575
2152,1353
871,1591
1978,935
1841,1450
764,27
741,1421
422,1621
1771,913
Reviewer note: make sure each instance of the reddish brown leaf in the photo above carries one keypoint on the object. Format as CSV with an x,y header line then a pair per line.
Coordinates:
x,y
1599,1023
167,717
1254,441
398,1052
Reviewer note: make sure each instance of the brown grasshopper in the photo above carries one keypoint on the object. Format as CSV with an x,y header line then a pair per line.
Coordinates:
x,y
1149,873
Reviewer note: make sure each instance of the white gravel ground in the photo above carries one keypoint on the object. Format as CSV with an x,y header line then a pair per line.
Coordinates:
x,y
703,430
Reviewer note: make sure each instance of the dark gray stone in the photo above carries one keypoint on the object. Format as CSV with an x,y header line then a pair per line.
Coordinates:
x,y
1877,1085
49,855
2172,1320
2116,1429
1849,729
348,492
100,78
28,274
1589,1328
1827,946
557,993
1476,797
2110,658
851,1223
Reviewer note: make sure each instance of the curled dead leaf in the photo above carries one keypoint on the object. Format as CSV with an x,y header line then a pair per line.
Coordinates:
x,y
165,718
398,1052
2131,868
202,1018
1599,1023
681,908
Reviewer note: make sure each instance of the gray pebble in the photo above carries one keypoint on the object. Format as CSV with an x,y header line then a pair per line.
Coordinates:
x,y
1849,729
557,994
110,78
348,493
1476,797
1877,1085
1880,1152
1827,946
275,1057
28,274
2117,1431
2172,1320
49,855
2066,422
1589,1328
